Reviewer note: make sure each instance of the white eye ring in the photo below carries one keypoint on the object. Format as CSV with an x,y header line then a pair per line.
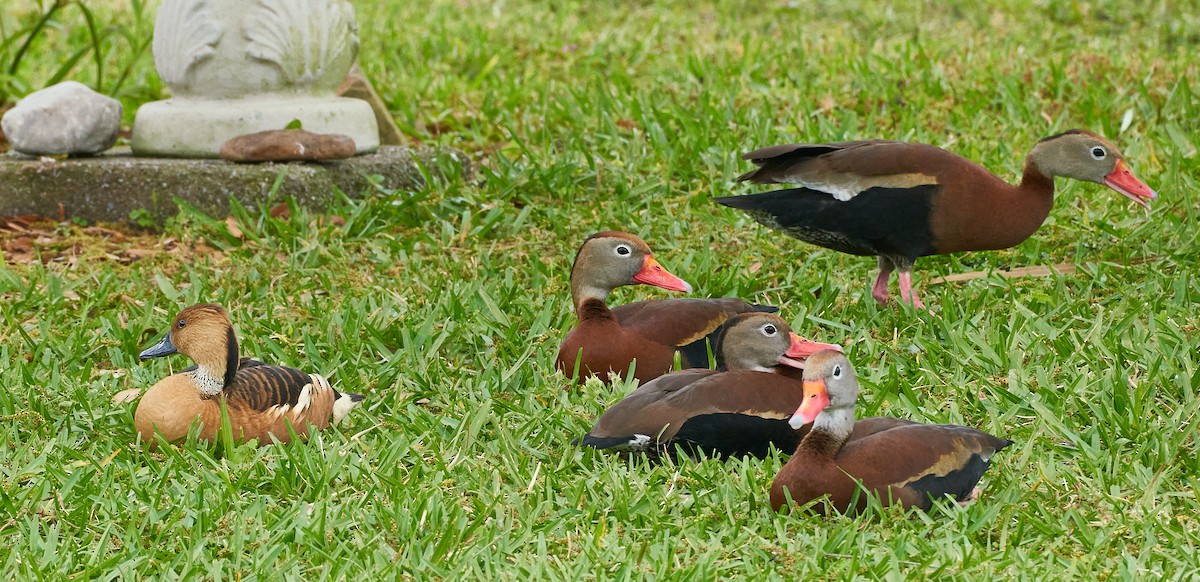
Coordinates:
x,y
1098,152
837,371
769,330
623,250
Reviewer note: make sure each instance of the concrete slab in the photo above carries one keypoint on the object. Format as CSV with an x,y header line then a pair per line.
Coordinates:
x,y
116,186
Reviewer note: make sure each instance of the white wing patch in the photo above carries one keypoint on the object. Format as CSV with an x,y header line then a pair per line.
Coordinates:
x,y
639,442
844,186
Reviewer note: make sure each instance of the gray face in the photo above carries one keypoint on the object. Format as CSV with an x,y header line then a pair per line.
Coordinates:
x,y
756,342
605,263
1081,156
840,380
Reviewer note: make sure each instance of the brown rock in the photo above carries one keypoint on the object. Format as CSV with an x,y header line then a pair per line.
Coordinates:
x,y
287,145
357,85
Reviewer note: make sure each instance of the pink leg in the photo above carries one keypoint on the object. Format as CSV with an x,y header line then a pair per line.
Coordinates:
x,y
880,289
972,497
906,291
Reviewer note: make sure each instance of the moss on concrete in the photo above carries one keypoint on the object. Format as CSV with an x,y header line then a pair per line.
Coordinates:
x,y
116,186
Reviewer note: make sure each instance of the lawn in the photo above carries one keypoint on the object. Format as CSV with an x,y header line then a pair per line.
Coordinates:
x,y
444,306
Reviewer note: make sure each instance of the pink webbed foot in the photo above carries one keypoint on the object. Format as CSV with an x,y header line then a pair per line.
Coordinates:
x,y
969,498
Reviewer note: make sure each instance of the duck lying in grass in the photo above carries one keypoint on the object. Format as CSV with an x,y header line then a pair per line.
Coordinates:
x,y
607,340
741,408
911,465
262,400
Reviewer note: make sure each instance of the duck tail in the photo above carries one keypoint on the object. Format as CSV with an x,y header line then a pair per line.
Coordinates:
x,y
343,402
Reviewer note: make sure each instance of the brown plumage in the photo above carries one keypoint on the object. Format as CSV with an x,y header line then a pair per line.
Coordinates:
x,y
900,201
742,408
911,465
263,400
650,332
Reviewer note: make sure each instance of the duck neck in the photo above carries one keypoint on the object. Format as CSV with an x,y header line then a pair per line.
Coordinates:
x,y
593,309
583,293
1035,183
217,365
829,432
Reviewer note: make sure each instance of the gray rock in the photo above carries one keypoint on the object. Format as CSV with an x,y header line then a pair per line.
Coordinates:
x,y
67,118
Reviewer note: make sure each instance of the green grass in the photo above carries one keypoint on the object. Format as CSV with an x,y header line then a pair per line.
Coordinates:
x,y
445,306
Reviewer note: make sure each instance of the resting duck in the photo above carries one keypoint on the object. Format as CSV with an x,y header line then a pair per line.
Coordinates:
x,y
650,332
741,408
900,201
911,465
262,399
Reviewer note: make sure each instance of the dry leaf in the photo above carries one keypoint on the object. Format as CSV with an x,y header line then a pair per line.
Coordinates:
x,y
126,395
232,226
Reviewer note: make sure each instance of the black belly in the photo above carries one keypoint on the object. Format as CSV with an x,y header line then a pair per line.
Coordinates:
x,y
734,435
893,222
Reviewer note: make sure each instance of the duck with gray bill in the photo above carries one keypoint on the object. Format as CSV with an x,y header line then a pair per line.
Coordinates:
x,y
263,401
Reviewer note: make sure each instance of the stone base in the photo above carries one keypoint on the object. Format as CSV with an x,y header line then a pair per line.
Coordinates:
x,y
196,128
117,187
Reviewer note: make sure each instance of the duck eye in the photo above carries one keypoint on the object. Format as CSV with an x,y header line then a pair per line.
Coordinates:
x,y
180,324
1098,153
837,372
769,330
623,250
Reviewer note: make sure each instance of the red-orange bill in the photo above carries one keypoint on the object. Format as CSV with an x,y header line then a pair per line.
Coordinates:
x,y
653,273
1123,181
816,398
801,349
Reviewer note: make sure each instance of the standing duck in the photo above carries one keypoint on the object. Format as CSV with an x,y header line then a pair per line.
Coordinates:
x,y
911,464
650,332
741,408
900,201
263,400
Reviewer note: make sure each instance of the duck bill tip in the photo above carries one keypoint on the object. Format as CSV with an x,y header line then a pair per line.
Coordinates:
x,y
655,274
816,398
163,348
802,348
1122,181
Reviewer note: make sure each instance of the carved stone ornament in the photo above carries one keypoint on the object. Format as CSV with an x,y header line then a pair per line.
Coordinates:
x,y
242,66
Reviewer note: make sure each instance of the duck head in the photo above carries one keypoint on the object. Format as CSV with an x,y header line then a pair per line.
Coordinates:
x,y
761,341
1084,155
829,385
608,260
205,334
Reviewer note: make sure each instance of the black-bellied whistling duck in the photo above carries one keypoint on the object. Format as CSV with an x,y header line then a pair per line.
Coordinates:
x,y
263,400
650,332
900,201
911,465
742,408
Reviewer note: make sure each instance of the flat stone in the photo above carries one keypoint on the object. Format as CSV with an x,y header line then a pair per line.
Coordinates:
x,y
287,145
118,187
67,118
